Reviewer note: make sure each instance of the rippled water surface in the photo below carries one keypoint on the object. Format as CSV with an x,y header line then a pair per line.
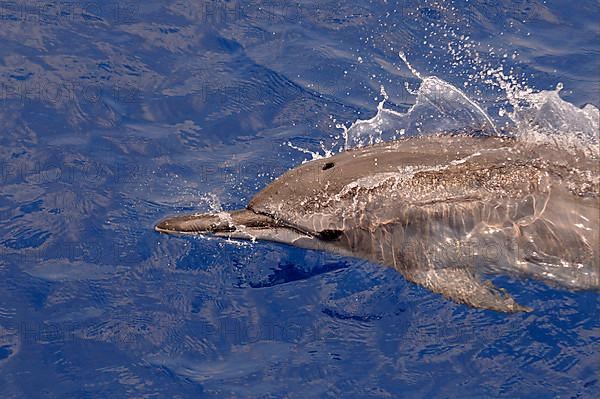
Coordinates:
x,y
114,115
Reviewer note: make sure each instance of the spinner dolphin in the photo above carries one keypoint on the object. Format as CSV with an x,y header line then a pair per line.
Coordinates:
x,y
442,210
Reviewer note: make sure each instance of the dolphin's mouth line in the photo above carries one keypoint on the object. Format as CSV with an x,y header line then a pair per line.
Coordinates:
x,y
323,235
278,223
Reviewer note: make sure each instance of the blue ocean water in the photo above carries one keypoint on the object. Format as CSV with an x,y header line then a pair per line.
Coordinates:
x,y
115,114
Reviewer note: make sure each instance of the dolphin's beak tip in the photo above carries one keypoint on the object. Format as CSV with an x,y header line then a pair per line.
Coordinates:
x,y
162,227
185,224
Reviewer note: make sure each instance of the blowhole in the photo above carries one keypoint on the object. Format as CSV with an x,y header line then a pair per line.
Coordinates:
x,y
328,165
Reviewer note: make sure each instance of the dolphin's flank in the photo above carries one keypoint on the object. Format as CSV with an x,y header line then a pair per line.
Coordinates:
x,y
441,210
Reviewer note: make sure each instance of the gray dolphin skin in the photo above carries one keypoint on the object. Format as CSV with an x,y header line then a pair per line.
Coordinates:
x,y
442,210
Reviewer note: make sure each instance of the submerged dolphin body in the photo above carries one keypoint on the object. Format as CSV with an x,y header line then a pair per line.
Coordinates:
x,y
441,210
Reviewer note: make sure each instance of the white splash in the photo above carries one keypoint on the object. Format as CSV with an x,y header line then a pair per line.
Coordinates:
x,y
211,201
530,115
536,116
439,107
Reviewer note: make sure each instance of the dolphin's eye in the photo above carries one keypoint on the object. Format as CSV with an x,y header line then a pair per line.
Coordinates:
x,y
328,165
330,235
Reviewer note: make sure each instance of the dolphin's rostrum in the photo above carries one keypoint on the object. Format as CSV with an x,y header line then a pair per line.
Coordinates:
x,y
442,210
